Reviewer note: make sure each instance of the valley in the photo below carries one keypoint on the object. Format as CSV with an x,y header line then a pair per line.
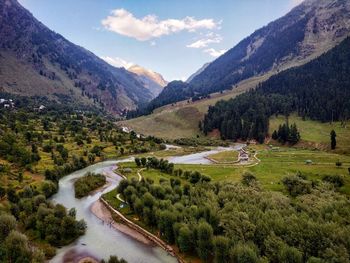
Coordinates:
x,y
105,161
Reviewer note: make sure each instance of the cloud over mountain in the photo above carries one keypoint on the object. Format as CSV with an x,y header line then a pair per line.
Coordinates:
x,y
125,23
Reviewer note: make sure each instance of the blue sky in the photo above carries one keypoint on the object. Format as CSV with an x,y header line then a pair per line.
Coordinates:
x,y
174,38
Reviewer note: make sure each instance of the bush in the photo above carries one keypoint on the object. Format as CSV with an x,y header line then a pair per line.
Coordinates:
x,y
248,179
296,185
336,180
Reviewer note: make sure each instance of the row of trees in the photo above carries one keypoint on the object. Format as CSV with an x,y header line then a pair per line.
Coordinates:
x,y
228,222
168,168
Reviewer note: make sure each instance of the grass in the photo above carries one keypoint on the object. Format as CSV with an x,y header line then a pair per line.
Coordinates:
x,y
225,157
275,165
318,133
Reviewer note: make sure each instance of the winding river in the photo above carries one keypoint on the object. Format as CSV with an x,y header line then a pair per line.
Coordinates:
x,y
100,240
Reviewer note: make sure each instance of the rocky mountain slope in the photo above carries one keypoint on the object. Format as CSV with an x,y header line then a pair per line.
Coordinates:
x,y
36,61
306,32
152,80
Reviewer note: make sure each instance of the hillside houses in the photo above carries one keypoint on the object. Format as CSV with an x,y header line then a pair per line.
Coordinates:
x,y
7,104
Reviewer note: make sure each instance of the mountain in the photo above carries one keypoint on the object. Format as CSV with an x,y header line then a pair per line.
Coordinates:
x,y
306,32
37,61
318,90
152,80
199,71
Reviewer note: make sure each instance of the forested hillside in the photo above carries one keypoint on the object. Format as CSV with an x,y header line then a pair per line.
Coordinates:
x,y
318,90
37,61
305,33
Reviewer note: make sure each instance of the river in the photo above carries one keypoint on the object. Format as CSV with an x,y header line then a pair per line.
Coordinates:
x,y
100,240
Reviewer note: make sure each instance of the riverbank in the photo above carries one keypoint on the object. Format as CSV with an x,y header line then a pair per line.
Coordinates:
x,y
141,231
102,212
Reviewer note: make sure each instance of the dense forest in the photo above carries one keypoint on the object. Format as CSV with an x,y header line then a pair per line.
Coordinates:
x,y
240,222
318,90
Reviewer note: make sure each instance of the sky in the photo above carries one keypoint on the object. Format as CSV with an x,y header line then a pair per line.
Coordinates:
x,y
174,38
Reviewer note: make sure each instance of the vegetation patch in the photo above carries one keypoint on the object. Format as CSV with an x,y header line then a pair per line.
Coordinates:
x,y
88,183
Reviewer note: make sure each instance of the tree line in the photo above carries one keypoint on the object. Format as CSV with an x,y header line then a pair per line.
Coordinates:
x,y
317,90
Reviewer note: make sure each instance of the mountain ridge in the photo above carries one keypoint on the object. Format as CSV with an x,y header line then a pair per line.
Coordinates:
x,y
34,60
306,32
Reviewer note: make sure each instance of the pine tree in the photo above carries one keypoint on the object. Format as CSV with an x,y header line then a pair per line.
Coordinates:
x,y
333,140
294,135
275,135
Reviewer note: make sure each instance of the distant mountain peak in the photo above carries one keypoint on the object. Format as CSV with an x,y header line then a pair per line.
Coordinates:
x,y
152,81
156,77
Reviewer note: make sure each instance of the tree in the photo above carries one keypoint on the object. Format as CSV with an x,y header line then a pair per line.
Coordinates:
x,y
290,255
274,135
7,224
17,248
143,161
204,240
3,191
115,259
243,253
185,239
138,161
12,195
221,249
333,140
294,135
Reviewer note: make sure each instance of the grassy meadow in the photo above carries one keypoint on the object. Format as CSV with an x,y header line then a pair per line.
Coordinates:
x,y
275,163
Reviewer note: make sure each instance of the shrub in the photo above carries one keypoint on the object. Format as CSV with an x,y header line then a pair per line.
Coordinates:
x,y
336,180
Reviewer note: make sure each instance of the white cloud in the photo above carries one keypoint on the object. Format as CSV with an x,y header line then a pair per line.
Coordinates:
x,y
153,43
118,62
204,42
215,53
125,23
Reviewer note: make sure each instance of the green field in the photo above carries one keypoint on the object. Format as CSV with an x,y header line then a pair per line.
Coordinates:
x,y
275,164
317,134
225,157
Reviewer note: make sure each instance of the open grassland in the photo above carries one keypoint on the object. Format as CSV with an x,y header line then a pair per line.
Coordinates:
x,y
225,157
275,163
181,119
317,132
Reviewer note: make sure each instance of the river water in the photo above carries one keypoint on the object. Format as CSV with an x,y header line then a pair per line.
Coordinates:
x,y
100,240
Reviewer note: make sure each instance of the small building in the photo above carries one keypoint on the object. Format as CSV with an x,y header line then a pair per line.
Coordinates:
x,y
125,129
42,107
